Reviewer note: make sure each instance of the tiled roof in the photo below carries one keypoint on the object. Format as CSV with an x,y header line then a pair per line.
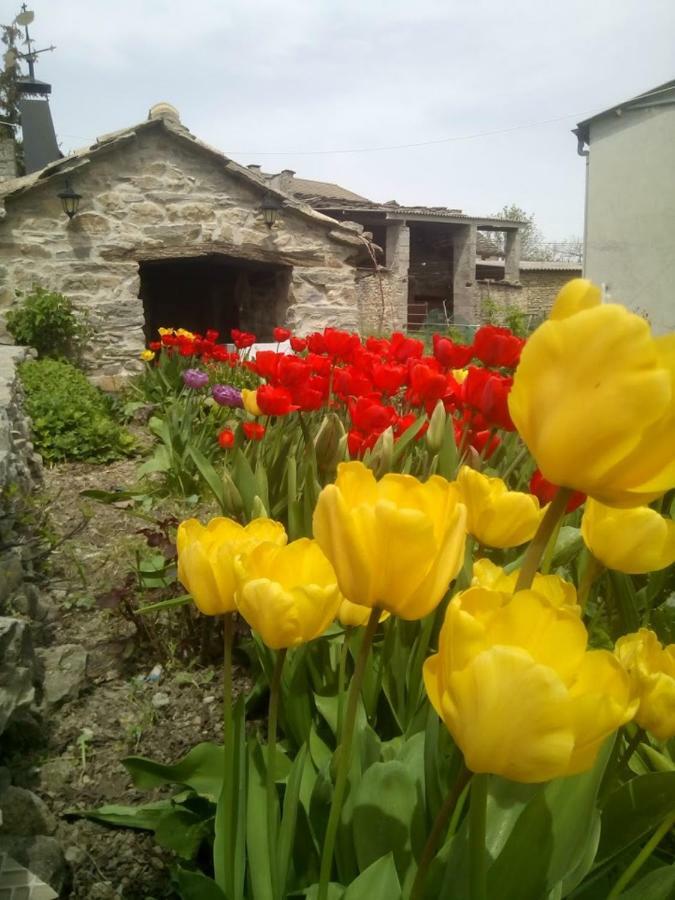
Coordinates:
x,y
324,190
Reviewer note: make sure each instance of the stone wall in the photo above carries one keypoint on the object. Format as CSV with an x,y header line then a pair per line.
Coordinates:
x,y
541,289
20,472
157,196
31,858
533,295
383,301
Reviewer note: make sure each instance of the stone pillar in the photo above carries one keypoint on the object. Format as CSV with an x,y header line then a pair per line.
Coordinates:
x,y
7,154
397,260
464,292
512,255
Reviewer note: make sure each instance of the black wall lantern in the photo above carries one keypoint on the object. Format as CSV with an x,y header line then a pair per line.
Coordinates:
x,y
70,200
270,207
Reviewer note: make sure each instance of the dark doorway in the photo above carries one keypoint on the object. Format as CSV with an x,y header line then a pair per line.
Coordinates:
x,y
213,291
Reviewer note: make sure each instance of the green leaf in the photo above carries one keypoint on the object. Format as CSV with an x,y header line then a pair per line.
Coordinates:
x,y
201,769
229,846
211,477
658,885
166,604
145,817
196,886
634,810
557,820
384,808
182,831
257,837
289,818
378,882
245,481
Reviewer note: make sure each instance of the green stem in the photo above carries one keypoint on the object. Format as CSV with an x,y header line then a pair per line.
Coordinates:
x,y
228,734
438,830
477,849
273,716
642,856
344,754
539,542
342,671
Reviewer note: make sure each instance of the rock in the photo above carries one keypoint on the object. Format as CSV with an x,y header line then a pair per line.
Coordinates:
x,y
40,855
102,890
160,699
23,813
65,673
76,856
17,669
55,774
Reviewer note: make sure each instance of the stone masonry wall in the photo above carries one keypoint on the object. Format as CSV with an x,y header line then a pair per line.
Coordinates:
x,y
541,289
20,472
383,301
534,295
156,196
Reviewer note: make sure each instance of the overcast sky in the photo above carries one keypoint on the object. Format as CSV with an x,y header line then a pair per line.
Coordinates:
x,y
276,81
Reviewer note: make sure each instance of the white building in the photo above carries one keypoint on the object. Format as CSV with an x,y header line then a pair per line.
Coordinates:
x,y
629,235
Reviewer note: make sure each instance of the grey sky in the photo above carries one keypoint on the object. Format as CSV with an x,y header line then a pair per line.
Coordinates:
x,y
253,77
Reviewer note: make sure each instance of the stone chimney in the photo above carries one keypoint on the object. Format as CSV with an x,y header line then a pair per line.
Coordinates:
x,y
286,180
255,168
8,167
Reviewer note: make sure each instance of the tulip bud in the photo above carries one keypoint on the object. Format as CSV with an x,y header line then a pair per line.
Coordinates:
x,y
327,442
383,453
258,510
233,501
434,435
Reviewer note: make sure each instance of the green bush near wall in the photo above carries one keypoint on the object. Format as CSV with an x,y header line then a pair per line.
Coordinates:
x,y
47,321
72,419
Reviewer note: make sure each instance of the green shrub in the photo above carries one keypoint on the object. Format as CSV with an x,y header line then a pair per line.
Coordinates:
x,y
47,321
72,419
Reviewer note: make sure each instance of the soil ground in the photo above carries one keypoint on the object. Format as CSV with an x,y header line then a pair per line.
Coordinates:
x,y
119,712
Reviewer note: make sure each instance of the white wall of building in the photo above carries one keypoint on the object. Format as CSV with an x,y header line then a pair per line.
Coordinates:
x,y
630,224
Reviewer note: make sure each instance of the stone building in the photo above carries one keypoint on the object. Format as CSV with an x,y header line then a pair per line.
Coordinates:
x,y
171,232
428,254
532,293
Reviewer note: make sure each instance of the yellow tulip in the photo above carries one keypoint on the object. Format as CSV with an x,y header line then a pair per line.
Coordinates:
x,y
352,615
594,400
496,516
289,595
206,555
395,543
250,401
651,668
165,331
558,591
634,540
518,690
147,355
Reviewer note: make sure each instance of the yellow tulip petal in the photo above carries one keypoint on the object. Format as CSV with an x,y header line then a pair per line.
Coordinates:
x,y
588,387
509,716
634,541
266,530
657,707
356,483
348,540
601,702
553,636
270,610
198,579
250,400
577,295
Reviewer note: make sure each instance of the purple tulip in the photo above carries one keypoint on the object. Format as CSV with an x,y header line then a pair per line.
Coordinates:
x,y
194,378
226,395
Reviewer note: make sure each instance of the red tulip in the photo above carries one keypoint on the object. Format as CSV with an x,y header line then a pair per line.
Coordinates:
x,y
253,431
544,491
281,334
274,401
226,438
496,346
298,344
451,355
242,339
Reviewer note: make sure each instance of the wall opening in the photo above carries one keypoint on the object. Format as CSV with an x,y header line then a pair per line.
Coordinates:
x,y
213,291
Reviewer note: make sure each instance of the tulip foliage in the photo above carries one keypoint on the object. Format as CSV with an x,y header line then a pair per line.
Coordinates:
x,y
457,570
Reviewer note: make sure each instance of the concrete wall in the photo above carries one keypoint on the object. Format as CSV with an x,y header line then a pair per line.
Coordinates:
x,y
155,196
630,227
